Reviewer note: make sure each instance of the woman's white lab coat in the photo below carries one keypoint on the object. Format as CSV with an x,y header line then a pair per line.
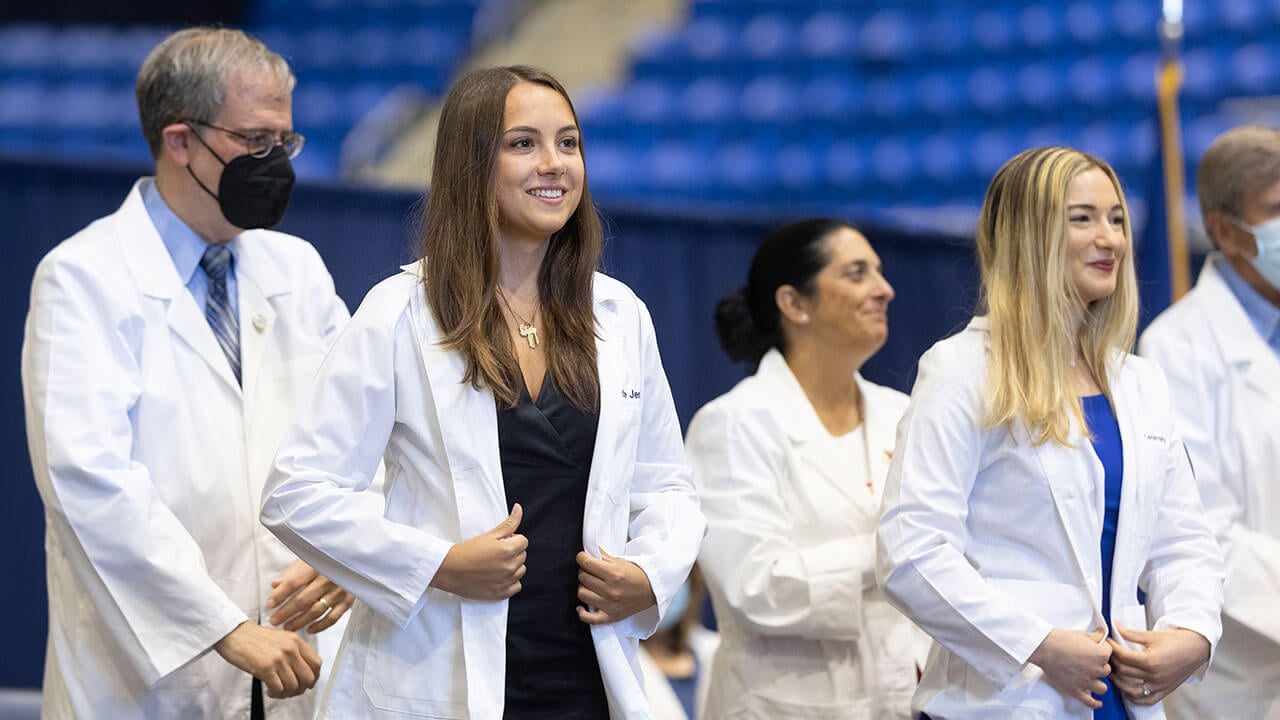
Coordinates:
x,y
388,390
1225,381
789,556
150,459
989,541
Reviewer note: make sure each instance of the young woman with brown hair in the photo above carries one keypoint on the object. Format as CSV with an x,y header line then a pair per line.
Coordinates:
x,y
539,512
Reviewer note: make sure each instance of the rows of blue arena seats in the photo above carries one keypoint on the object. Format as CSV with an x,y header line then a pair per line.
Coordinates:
x,y
829,101
950,167
69,90
850,101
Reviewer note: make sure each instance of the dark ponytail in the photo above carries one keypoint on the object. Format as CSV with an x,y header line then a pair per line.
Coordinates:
x,y
748,320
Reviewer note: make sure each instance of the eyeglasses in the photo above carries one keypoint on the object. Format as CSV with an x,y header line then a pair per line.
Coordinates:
x,y
260,142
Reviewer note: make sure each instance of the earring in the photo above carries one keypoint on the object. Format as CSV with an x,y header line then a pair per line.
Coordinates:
x,y
804,317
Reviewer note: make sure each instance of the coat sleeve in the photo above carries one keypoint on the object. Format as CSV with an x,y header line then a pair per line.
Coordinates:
x,y
922,537
317,498
143,572
666,524
1252,558
1183,576
771,584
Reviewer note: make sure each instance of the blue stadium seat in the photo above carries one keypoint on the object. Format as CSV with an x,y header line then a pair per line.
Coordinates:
x,y
770,37
838,97
888,35
847,163
893,161
1086,23
828,35
1253,69
770,98
991,89
711,99
1094,81
938,93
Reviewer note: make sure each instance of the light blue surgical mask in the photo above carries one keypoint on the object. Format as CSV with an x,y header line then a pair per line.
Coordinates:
x,y
1267,237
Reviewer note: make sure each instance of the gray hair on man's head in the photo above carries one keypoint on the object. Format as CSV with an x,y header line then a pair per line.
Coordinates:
x,y
185,77
1240,161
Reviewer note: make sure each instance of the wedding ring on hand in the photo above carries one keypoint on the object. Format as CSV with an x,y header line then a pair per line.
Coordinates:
x,y
328,607
1146,690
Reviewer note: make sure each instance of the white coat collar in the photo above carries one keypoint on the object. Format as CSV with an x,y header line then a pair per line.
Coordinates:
x,y
153,269
1240,342
258,274
805,429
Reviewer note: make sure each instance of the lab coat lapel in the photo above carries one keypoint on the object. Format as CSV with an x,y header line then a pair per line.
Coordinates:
x,y
808,437
881,437
468,421
1078,503
1125,566
609,367
1240,342
153,269
259,281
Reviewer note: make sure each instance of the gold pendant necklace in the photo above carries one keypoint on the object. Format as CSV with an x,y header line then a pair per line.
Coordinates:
x,y
527,329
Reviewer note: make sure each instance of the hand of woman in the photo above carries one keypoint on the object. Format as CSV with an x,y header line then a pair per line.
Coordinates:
x,y
1074,663
487,567
612,589
1168,658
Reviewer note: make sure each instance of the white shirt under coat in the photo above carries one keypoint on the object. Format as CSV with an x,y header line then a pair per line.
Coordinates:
x,y
389,391
989,541
789,556
150,459
1225,381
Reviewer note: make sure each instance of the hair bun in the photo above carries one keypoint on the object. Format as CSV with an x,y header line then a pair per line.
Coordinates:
x,y
739,335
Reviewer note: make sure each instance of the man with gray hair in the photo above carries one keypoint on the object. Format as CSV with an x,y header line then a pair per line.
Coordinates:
x,y
1220,348
166,345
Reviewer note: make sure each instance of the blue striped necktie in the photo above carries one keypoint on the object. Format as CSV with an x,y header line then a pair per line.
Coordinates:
x,y
215,262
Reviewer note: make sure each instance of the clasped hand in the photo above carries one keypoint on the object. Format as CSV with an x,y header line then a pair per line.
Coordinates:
x,y
282,660
1075,662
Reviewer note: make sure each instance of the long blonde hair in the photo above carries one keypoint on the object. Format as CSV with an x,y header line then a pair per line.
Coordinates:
x,y
1033,305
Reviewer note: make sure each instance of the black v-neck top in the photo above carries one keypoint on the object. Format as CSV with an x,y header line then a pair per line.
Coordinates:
x,y
545,449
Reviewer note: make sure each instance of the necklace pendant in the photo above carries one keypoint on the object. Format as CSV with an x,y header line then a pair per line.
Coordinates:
x,y
529,332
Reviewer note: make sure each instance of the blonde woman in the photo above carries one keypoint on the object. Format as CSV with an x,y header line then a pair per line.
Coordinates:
x,y
1039,488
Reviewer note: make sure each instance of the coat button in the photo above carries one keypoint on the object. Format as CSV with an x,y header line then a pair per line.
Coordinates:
x,y
259,322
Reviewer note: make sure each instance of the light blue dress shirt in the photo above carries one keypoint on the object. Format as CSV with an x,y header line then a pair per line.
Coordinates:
x,y
186,248
1264,316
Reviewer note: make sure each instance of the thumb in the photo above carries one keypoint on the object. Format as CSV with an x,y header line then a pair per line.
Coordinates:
x,y
1098,635
509,525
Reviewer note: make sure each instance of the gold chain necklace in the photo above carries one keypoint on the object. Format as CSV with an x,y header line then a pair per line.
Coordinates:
x,y
528,330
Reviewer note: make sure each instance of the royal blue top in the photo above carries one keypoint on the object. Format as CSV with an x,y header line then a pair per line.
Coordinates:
x,y
1106,443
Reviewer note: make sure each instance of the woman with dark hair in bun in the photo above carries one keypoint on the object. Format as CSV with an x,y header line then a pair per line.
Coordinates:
x,y
790,465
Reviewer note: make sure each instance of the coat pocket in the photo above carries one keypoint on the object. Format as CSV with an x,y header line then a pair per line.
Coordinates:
x,y
418,671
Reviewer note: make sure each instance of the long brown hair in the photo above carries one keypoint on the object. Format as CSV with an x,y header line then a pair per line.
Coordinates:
x,y
460,250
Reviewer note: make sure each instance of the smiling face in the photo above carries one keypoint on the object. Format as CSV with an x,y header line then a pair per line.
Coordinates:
x,y
1096,241
539,173
850,299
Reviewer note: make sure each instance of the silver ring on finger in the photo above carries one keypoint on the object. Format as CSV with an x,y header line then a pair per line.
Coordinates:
x,y
1146,690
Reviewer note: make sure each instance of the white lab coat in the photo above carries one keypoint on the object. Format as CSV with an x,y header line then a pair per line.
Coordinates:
x,y
789,557
150,460
989,541
1225,382
389,390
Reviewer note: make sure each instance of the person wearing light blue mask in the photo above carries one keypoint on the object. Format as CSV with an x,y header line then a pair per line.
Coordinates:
x,y
1220,348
